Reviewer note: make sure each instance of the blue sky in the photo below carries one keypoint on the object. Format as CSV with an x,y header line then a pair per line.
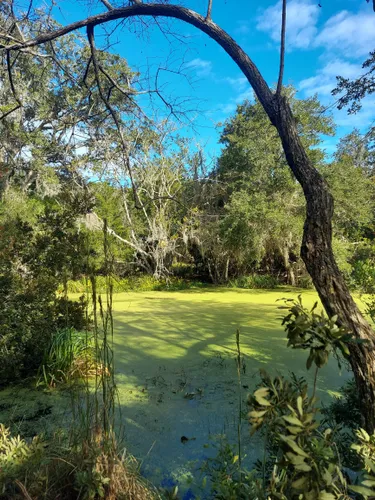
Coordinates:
x,y
322,42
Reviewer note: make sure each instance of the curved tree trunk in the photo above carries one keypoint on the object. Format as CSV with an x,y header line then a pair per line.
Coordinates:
x,y
317,254
316,248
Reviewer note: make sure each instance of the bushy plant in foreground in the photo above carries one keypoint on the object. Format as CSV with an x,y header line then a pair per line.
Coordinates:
x,y
89,468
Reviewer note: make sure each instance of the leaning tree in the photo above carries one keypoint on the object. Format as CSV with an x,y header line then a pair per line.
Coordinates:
x,y
316,248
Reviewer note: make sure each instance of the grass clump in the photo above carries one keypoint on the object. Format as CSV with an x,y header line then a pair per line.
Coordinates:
x,y
70,356
90,467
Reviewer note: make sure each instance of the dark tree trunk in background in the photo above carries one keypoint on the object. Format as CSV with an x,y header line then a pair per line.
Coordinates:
x,y
316,249
290,276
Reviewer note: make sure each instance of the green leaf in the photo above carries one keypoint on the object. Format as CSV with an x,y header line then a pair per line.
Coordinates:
x,y
262,391
300,405
303,467
363,435
370,464
366,492
262,401
327,477
300,483
294,459
294,446
294,430
310,360
257,414
292,420
324,495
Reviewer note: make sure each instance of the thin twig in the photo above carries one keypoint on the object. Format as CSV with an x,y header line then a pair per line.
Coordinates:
x,y
209,9
90,36
282,50
240,400
12,87
107,4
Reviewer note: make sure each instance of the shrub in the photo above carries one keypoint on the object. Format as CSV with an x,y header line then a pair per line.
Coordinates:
x,y
363,267
16,458
255,281
305,460
29,315
88,468
141,283
228,480
305,281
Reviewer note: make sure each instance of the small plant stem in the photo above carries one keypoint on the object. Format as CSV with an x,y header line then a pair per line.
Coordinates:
x,y
239,399
315,381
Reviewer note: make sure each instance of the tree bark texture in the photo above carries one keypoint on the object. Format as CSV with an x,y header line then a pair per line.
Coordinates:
x,y
316,250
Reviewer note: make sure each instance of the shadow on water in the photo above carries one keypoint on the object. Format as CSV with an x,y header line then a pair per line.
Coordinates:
x,y
177,376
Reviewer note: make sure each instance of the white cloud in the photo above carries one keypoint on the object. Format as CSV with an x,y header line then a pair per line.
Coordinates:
x,y
243,28
244,92
362,120
301,20
350,33
237,83
200,66
325,80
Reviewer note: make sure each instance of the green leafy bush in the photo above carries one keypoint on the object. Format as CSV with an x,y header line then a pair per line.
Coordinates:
x,y
16,458
33,259
308,329
228,480
142,283
363,267
306,462
255,281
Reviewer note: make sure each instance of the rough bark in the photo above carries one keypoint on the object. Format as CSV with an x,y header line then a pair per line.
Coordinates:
x,y
317,253
316,249
291,279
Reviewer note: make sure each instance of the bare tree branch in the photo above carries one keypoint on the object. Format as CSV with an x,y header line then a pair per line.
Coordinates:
x,y
107,4
12,87
172,11
209,9
282,49
125,152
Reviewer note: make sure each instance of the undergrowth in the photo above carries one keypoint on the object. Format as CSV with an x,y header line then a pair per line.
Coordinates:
x,y
142,283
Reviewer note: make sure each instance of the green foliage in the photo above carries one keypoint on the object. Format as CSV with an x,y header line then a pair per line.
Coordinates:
x,y
16,457
255,281
228,481
307,465
343,415
307,329
70,356
35,254
363,267
142,283
365,449
87,468
345,408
